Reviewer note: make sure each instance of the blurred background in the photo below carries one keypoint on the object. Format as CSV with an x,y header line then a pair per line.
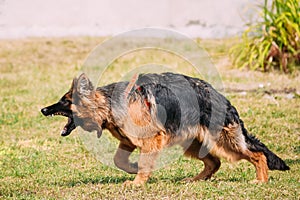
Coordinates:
x,y
195,18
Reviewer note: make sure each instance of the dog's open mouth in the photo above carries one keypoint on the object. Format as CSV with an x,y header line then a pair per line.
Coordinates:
x,y
69,127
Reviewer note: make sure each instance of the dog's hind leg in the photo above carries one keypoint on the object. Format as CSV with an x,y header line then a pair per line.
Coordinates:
x,y
258,159
233,146
211,166
121,158
211,163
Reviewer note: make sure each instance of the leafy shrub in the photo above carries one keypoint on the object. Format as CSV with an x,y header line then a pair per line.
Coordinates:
x,y
273,42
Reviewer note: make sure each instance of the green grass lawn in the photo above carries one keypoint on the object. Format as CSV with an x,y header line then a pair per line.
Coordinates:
x,y
37,163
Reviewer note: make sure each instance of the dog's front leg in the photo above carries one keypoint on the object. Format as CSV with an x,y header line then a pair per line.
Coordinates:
x,y
121,158
146,165
149,151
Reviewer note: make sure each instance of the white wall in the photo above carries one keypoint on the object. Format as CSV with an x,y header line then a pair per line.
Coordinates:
x,y
201,18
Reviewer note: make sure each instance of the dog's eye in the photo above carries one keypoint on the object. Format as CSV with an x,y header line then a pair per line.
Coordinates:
x,y
69,102
65,102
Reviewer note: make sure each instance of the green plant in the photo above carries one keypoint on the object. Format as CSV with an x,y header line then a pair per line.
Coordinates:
x,y
273,42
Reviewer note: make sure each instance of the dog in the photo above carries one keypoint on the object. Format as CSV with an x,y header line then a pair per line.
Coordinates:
x,y
156,111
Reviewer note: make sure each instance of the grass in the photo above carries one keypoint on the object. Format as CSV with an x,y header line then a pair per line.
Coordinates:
x,y
36,163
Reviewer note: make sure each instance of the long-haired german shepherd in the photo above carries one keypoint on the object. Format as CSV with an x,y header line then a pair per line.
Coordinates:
x,y
155,111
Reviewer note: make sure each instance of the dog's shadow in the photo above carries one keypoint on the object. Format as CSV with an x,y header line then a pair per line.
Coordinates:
x,y
97,180
122,178
115,180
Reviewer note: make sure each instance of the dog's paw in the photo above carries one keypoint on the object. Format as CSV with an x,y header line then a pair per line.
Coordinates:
x,y
257,181
129,183
187,180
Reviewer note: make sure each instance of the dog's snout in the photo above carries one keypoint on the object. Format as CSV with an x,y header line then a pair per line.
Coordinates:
x,y
44,111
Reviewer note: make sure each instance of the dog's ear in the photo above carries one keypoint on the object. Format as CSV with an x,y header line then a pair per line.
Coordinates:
x,y
74,84
83,85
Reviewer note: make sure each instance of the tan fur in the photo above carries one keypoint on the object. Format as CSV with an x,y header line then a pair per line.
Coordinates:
x,y
68,96
258,159
230,144
95,105
139,113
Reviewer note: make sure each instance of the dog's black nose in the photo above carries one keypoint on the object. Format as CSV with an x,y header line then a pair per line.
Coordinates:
x,y
44,111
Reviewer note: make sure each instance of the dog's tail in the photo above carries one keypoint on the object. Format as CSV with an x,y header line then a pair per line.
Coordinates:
x,y
253,144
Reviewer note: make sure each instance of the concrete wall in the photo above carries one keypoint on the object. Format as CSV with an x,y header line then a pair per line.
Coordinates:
x,y
196,18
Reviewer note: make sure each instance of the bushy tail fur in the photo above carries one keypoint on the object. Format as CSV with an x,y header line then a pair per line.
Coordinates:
x,y
253,144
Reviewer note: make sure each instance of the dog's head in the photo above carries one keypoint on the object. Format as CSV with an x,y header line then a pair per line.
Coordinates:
x,y
82,105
